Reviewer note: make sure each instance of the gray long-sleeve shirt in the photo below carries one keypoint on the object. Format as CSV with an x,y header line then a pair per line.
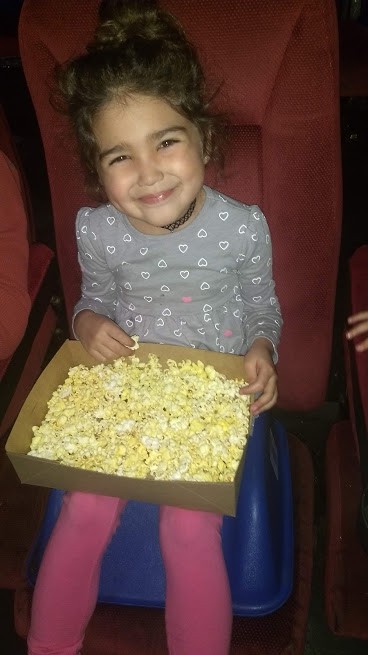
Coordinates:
x,y
208,285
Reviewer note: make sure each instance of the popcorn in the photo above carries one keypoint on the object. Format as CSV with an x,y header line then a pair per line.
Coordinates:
x,y
184,421
136,344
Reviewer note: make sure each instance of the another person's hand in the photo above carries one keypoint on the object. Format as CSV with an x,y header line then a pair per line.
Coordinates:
x,y
101,337
261,374
359,323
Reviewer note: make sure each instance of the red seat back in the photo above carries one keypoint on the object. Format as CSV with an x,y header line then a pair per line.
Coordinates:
x,y
276,62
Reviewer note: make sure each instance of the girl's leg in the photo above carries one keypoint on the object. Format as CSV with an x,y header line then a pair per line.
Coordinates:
x,y
67,583
198,600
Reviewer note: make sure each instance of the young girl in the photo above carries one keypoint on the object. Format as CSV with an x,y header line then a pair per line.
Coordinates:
x,y
172,261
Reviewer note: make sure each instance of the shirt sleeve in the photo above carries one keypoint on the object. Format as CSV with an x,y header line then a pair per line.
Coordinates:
x,y
257,287
14,253
98,288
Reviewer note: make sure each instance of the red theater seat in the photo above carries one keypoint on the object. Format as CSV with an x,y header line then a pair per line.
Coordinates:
x,y
276,63
346,575
29,334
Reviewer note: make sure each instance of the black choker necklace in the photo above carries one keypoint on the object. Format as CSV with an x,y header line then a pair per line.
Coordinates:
x,y
183,219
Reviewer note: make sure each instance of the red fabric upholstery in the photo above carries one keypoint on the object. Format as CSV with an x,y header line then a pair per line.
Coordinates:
x,y
7,146
346,568
278,62
14,297
24,264
25,268
346,574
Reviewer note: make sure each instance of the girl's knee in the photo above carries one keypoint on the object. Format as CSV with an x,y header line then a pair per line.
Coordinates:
x,y
188,529
85,510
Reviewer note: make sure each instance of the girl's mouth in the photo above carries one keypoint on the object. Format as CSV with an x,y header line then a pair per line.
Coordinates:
x,y
155,199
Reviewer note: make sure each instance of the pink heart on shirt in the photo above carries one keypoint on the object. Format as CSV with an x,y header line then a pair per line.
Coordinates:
x,y
228,333
186,299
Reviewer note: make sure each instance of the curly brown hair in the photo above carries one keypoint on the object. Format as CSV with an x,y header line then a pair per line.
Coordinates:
x,y
137,48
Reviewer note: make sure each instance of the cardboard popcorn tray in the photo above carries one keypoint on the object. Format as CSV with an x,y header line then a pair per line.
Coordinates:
x,y
210,496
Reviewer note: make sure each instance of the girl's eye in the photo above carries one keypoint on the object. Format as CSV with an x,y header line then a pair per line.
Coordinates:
x,y
168,142
118,159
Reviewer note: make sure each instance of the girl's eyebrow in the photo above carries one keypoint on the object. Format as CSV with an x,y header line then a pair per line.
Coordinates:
x,y
155,136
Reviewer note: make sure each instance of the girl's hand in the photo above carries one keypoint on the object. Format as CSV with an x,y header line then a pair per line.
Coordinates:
x,y
360,323
261,374
101,337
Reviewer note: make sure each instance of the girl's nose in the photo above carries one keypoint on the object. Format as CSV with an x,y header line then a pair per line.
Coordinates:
x,y
148,172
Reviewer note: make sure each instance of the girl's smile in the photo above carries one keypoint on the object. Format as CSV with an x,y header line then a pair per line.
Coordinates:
x,y
157,198
150,161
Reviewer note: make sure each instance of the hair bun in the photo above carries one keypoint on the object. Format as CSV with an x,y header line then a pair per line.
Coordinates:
x,y
122,20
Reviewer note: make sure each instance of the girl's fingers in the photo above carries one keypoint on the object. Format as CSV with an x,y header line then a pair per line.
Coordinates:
x,y
263,404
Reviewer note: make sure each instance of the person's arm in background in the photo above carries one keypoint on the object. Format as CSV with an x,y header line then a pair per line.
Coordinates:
x,y
358,326
14,251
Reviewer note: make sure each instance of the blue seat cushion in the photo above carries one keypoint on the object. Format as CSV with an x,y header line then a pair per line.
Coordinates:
x,y
257,543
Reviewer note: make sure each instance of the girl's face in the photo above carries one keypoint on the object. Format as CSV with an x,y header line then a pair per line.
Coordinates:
x,y
150,160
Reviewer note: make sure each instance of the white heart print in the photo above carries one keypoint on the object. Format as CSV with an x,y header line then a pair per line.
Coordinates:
x,y
224,245
84,229
202,262
128,286
166,312
183,247
111,220
165,288
202,234
242,229
145,275
111,249
162,264
184,274
143,251
204,286
224,215
127,237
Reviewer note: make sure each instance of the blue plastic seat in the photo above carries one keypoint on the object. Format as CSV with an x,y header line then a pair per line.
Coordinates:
x,y
258,542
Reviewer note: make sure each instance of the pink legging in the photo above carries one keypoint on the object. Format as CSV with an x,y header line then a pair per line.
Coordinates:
x,y
198,602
